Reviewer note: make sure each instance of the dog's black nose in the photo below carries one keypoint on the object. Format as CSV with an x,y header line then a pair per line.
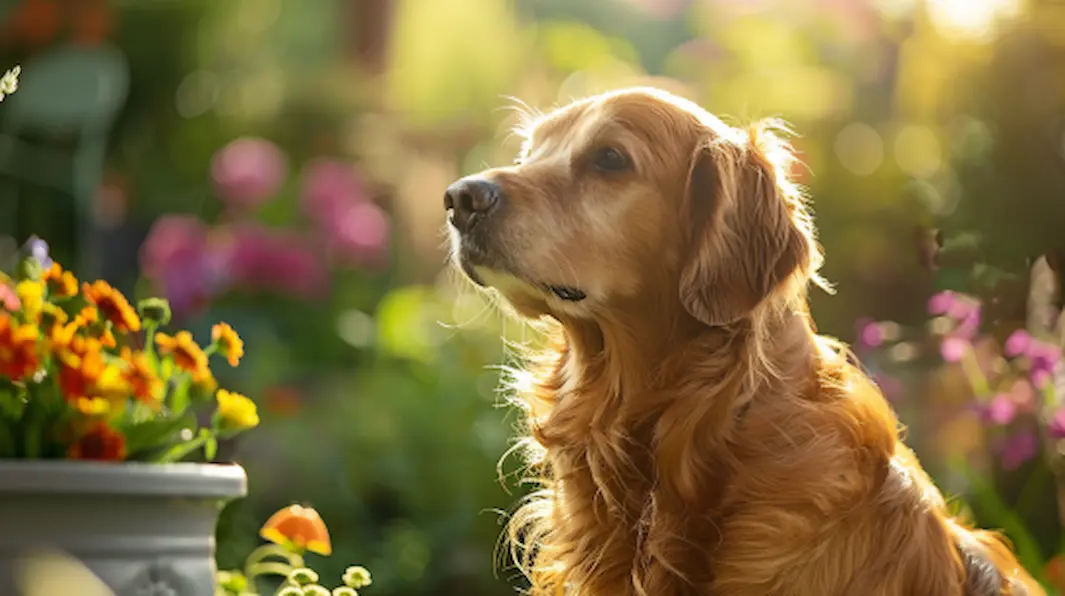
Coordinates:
x,y
470,199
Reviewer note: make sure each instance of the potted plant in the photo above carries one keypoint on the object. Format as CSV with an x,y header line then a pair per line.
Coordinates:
x,y
98,407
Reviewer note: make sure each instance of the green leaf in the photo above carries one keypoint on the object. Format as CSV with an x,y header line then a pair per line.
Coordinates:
x,y
157,433
997,513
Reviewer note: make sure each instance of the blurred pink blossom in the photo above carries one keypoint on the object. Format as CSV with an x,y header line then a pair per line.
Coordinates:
x,y
262,258
1017,449
940,303
1001,410
329,188
953,349
1017,343
177,257
359,235
248,171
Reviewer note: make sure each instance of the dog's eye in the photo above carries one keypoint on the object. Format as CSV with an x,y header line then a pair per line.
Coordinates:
x,y
609,159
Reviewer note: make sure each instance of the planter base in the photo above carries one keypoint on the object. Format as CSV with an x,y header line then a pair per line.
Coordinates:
x,y
142,529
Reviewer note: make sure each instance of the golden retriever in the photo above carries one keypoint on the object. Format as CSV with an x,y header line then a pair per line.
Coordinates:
x,y
692,433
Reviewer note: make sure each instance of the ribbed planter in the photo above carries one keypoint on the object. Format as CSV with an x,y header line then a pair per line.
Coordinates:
x,y
144,529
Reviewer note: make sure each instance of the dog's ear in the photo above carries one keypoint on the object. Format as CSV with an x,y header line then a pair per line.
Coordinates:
x,y
750,231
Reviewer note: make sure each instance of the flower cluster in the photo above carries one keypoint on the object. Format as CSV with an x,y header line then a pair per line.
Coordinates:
x,y
192,262
86,375
291,532
1012,382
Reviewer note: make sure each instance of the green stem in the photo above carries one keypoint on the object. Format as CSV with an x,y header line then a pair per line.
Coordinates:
x,y
270,550
149,340
268,568
970,366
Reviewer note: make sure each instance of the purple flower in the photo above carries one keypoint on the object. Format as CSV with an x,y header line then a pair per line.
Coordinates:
x,y
1056,426
248,171
1001,410
360,234
1017,449
953,349
1043,355
941,303
1017,343
37,248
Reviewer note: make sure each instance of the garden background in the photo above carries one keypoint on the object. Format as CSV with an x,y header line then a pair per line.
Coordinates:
x,y
280,164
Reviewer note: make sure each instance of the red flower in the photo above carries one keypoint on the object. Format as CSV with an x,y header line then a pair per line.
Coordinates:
x,y
101,443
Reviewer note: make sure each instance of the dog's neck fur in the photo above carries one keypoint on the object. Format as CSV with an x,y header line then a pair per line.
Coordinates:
x,y
602,445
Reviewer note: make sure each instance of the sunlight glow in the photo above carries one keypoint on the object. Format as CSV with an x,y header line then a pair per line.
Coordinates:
x,y
970,19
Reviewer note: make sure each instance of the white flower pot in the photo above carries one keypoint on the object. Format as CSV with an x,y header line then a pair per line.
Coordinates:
x,y
143,529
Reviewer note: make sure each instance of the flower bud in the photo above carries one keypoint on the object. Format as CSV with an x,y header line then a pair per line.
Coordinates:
x,y
155,310
303,576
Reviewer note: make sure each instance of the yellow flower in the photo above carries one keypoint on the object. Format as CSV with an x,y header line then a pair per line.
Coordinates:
x,y
61,284
236,411
113,306
228,342
31,295
186,352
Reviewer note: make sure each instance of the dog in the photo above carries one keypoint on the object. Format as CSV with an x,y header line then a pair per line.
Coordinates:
x,y
691,431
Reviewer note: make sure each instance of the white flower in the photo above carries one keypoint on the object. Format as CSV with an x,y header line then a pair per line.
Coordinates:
x,y
9,82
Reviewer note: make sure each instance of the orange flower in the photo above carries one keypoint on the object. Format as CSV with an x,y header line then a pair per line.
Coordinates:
x,y
228,342
19,357
101,442
299,527
141,376
84,373
186,352
113,306
61,284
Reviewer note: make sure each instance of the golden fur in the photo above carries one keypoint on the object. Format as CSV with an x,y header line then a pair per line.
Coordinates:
x,y
692,432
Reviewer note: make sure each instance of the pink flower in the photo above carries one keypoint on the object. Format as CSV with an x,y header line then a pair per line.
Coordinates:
x,y
1001,410
248,171
1056,426
329,188
1017,449
8,298
259,258
871,335
1017,343
177,257
940,304
953,349
359,234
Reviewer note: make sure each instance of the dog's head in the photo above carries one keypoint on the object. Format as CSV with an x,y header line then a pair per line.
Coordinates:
x,y
633,194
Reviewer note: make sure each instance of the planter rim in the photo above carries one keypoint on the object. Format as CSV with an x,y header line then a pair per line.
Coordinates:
x,y
224,481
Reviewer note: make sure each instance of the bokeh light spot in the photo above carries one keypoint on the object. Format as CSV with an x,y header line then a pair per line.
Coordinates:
x,y
860,148
917,151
